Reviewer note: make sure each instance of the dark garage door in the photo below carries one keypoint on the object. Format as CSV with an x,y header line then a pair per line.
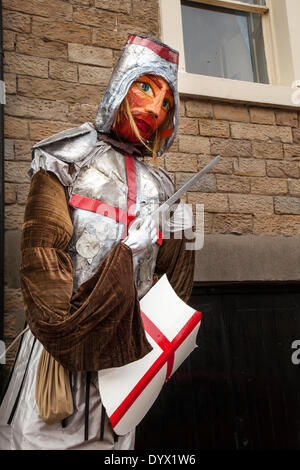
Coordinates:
x,y
239,389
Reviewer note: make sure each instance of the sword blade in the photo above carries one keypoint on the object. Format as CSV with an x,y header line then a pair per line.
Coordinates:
x,y
169,202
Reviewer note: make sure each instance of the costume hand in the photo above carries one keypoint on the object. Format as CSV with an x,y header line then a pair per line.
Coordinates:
x,y
141,235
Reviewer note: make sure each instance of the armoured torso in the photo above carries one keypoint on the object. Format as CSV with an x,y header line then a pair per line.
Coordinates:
x,y
105,178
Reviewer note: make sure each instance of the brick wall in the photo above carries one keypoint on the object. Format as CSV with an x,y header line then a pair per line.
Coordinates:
x,y
255,188
58,59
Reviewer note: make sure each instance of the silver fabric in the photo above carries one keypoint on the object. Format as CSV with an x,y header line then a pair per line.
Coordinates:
x,y
76,146
94,235
44,161
27,431
70,145
135,61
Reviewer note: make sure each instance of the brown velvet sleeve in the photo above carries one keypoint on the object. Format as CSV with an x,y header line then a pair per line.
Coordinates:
x,y
178,263
98,327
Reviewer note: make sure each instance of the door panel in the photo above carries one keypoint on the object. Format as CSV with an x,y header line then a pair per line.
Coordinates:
x,y
239,388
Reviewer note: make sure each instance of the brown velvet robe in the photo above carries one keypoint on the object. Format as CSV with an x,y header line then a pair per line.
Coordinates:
x,y
100,325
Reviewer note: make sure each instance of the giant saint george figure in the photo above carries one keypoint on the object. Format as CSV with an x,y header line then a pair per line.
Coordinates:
x,y
90,250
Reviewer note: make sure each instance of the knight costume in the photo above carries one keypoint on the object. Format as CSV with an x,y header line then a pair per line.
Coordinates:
x,y
80,285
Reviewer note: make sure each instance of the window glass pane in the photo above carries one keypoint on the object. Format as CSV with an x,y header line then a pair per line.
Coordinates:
x,y
222,42
254,2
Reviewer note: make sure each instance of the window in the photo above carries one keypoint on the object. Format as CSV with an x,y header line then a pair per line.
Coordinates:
x,y
224,42
244,50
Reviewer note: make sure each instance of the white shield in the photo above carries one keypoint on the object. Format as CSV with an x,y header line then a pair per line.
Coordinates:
x,y
171,327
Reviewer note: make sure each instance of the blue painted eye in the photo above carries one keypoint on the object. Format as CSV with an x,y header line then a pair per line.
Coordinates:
x,y
145,87
165,103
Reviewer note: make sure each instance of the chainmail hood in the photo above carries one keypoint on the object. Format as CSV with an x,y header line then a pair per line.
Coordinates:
x,y
141,55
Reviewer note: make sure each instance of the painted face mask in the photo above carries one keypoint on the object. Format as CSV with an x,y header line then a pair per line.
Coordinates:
x,y
149,100
141,56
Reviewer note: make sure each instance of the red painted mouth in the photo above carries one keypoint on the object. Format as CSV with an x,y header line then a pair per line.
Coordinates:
x,y
145,124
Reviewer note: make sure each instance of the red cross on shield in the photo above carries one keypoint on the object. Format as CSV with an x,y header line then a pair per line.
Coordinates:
x,y
171,327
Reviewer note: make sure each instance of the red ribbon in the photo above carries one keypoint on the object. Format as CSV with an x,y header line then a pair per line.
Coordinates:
x,y
94,205
132,193
159,49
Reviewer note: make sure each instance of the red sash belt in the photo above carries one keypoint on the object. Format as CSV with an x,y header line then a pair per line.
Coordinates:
x,y
94,205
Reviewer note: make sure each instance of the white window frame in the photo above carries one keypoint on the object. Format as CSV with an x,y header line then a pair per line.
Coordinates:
x,y
281,38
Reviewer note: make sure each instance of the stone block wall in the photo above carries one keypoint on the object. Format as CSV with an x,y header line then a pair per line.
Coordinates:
x,y
58,59
255,188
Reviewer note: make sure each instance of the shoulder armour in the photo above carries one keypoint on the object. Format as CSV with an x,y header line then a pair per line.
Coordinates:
x,y
71,145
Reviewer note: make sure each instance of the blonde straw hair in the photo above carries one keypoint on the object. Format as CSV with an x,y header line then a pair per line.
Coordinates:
x,y
124,111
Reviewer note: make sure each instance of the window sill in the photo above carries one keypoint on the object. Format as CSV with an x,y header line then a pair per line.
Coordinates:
x,y
235,90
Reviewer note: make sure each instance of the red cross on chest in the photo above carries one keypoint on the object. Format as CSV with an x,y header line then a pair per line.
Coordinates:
x,y
119,215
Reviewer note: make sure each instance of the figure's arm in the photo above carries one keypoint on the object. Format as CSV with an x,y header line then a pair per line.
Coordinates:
x,y
99,326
